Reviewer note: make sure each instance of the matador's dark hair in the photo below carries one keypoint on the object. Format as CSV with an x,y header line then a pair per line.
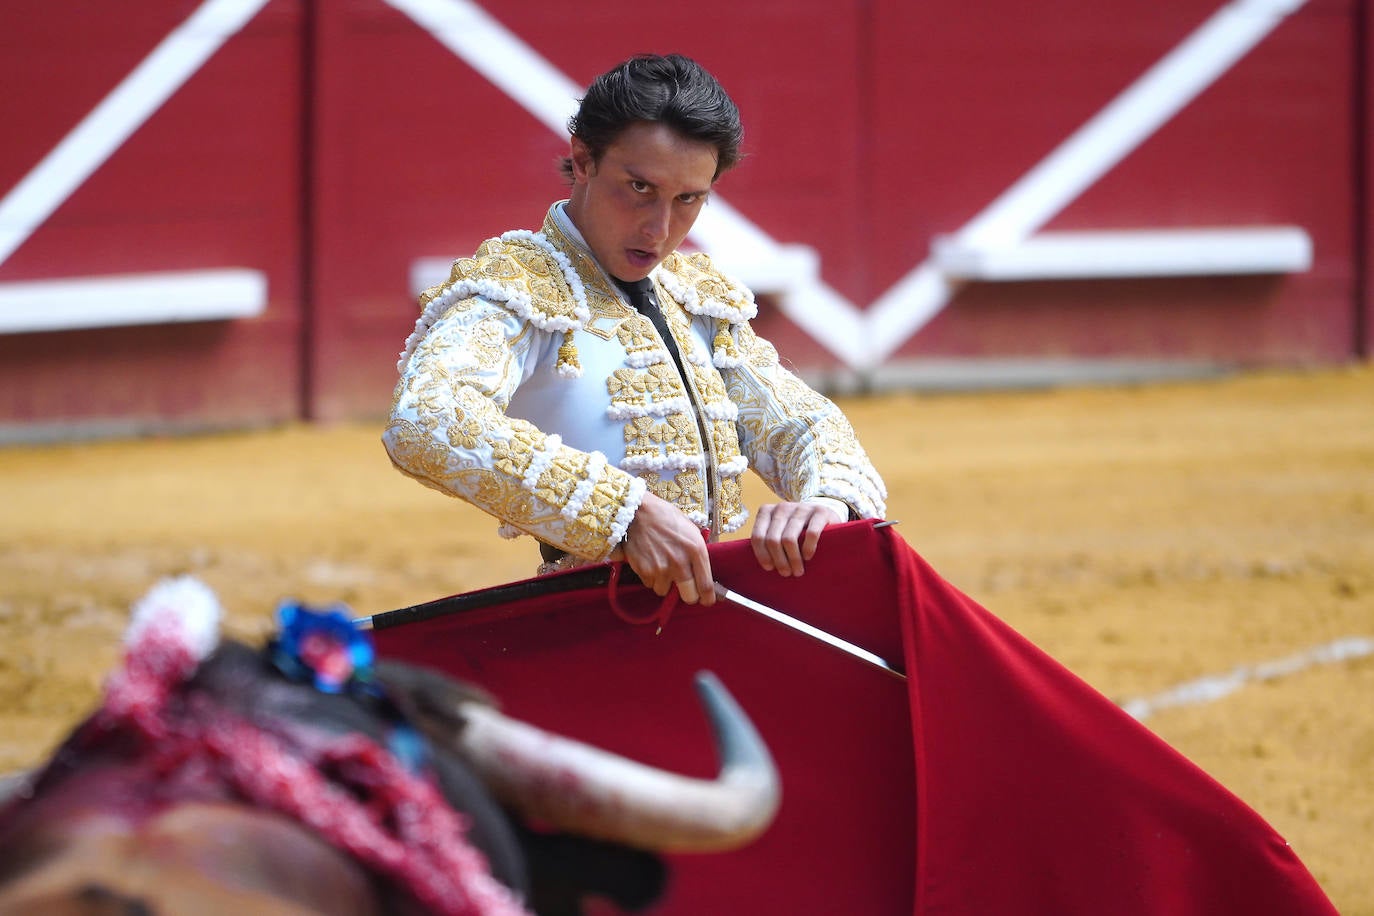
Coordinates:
x,y
672,90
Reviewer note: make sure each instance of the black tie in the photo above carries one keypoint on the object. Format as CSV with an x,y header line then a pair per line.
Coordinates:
x,y
641,296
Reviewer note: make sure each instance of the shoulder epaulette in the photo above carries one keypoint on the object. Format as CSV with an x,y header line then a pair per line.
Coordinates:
x,y
701,289
525,273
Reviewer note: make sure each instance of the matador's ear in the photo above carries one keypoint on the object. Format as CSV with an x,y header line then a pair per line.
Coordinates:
x,y
582,160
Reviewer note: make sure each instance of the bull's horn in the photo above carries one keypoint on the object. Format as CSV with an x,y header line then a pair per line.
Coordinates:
x,y
591,792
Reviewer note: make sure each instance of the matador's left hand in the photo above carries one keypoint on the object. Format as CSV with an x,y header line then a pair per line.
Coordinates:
x,y
785,535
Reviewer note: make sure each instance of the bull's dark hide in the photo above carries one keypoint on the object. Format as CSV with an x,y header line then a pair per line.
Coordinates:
x,y
554,872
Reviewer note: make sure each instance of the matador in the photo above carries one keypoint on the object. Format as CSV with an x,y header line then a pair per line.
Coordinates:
x,y
573,381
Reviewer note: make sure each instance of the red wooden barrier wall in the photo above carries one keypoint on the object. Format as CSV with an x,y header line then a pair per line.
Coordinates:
x,y
330,145
211,180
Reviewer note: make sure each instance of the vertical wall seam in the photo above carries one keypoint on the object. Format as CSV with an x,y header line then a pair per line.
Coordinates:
x,y
866,84
1362,161
307,255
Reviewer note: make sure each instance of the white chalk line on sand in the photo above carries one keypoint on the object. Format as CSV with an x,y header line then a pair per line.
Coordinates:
x,y
1211,688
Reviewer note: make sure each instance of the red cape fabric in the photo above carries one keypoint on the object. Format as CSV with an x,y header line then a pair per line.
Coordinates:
x,y
991,781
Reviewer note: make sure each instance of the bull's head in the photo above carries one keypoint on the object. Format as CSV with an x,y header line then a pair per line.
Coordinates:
x,y
590,792
238,787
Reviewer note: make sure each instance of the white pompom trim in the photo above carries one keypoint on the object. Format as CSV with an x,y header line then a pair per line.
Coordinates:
x,y
654,409
643,359
734,467
671,461
741,306
596,466
723,360
541,461
721,410
735,523
627,512
183,607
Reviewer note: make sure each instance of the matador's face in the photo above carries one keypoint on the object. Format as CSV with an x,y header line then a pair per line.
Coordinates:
x,y
636,205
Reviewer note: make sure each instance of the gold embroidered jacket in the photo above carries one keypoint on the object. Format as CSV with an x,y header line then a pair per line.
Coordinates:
x,y
531,389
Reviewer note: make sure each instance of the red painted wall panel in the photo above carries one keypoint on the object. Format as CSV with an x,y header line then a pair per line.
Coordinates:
x,y
39,42
210,181
417,156
1266,144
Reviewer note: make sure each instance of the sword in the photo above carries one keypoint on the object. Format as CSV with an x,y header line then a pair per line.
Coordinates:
x,y
500,594
600,575
829,639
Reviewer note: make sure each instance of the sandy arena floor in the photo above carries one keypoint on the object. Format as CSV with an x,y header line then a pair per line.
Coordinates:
x,y
1144,536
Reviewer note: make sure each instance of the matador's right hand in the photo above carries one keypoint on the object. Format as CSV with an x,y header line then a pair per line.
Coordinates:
x,y
665,549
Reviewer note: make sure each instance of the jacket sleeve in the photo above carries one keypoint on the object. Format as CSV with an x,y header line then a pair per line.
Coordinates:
x,y
795,438
449,430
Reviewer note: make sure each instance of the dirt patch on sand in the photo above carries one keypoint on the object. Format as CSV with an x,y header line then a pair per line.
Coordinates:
x,y
1144,536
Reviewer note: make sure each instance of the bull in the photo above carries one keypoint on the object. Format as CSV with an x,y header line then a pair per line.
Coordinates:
x,y
308,777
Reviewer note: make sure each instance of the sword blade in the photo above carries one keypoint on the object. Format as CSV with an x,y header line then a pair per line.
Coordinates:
x,y
817,633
